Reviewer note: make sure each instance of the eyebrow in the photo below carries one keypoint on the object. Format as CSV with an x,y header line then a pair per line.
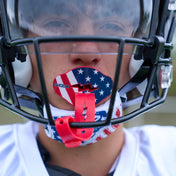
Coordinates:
x,y
65,10
59,9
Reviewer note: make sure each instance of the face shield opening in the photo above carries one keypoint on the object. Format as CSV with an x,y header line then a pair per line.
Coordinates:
x,y
60,57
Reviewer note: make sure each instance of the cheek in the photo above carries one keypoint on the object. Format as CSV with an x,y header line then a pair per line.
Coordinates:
x,y
35,81
110,61
52,67
50,70
124,72
55,64
109,67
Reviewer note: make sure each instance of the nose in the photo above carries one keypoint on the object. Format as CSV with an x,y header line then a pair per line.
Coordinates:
x,y
85,53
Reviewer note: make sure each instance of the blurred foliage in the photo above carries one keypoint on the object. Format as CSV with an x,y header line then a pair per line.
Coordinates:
x,y
172,90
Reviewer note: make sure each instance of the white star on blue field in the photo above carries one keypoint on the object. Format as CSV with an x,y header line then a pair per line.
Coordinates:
x,y
88,75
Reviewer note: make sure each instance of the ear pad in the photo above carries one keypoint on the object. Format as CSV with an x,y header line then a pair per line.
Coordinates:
x,y
134,66
22,72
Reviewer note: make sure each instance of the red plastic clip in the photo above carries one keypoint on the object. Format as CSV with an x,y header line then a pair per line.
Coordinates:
x,y
84,112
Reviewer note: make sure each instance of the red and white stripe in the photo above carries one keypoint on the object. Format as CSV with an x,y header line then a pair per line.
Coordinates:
x,y
68,93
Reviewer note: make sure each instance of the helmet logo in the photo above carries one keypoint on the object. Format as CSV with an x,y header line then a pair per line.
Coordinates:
x,y
85,87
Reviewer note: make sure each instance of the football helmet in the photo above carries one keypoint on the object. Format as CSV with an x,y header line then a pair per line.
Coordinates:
x,y
134,35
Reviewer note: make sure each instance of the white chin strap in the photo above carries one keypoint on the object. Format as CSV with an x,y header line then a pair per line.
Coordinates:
x,y
100,115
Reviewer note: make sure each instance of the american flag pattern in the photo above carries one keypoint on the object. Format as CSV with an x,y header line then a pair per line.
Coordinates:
x,y
100,114
82,80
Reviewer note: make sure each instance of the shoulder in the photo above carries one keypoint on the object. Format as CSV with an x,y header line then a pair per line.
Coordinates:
x,y
7,135
156,149
156,139
10,132
153,134
14,147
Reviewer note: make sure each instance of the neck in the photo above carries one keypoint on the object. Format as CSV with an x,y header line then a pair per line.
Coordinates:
x,y
95,159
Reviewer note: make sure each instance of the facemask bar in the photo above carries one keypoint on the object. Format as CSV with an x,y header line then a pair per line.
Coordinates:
x,y
159,47
117,73
144,105
44,91
121,42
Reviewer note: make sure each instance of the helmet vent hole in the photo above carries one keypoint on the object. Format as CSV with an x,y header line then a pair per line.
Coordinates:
x,y
61,122
83,131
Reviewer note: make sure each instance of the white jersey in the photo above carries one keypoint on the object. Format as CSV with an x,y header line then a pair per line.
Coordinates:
x,y
148,151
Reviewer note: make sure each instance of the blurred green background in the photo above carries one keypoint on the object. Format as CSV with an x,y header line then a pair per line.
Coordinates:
x,y
165,114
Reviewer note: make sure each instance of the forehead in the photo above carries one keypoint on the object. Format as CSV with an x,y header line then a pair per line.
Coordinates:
x,y
95,8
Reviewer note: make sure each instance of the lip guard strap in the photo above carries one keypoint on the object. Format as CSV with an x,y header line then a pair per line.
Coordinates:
x,y
84,112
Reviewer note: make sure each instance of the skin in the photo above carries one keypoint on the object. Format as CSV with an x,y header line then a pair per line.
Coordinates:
x,y
54,65
95,159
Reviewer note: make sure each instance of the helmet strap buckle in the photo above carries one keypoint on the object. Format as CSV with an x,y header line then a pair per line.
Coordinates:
x,y
84,112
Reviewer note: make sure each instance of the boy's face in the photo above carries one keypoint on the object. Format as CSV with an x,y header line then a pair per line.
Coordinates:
x,y
59,58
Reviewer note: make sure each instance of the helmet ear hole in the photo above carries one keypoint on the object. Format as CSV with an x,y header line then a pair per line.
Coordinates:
x,y
134,66
136,61
22,72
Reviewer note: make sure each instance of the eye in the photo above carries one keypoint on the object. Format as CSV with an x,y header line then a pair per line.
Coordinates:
x,y
61,27
111,28
56,25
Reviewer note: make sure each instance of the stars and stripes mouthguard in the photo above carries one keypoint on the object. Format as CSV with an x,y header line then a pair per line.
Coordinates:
x,y
83,80
84,88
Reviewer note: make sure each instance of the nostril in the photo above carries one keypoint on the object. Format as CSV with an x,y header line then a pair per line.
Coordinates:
x,y
85,53
76,61
85,59
95,61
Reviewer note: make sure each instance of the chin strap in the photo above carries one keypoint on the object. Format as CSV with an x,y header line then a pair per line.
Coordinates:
x,y
84,112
